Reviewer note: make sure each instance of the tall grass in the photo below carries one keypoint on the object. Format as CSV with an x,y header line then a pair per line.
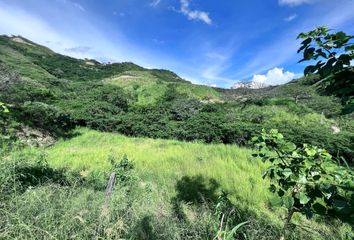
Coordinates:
x,y
170,194
163,162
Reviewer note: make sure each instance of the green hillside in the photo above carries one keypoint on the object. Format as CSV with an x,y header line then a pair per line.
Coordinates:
x,y
126,98
147,88
185,155
39,63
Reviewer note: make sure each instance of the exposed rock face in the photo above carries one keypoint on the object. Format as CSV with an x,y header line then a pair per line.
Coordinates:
x,y
90,63
21,40
35,137
335,129
249,85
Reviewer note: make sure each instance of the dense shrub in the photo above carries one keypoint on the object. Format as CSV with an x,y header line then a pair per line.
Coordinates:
x,y
45,117
149,121
204,126
183,109
24,90
95,105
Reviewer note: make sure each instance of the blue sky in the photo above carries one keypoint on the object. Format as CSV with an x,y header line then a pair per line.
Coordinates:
x,y
205,41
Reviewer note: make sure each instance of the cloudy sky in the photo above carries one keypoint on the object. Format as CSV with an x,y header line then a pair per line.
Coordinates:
x,y
206,41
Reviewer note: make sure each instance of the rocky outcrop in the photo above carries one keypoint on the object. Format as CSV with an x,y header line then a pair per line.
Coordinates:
x,y
34,137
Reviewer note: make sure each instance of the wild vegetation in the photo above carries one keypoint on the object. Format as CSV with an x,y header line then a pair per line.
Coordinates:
x,y
306,179
173,190
182,153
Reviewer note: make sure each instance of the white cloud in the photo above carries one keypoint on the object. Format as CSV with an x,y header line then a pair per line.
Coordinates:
x,y
194,14
274,76
294,2
155,3
283,49
213,72
216,62
75,4
216,56
276,53
18,22
72,38
79,49
79,6
290,18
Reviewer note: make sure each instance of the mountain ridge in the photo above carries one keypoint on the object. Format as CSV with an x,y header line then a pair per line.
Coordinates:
x,y
19,41
54,93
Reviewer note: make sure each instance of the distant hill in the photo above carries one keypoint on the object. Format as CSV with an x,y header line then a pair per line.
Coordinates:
x,y
39,63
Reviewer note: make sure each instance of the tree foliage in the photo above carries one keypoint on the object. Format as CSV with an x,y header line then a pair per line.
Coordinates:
x,y
334,53
305,178
333,50
46,117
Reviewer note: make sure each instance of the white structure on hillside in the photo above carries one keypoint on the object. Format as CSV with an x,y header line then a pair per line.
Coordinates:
x,y
249,85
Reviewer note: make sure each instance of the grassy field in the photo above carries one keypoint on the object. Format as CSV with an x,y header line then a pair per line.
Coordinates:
x,y
171,193
163,163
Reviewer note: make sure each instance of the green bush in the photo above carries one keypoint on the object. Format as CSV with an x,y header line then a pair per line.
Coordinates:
x,y
183,109
149,121
45,117
306,179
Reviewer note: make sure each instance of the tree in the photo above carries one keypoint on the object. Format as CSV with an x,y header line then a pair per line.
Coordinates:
x,y
305,179
333,50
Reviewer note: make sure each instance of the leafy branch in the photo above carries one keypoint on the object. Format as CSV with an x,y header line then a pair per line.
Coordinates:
x,y
333,50
305,179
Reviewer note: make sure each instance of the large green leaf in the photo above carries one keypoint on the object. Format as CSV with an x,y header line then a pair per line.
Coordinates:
x,y
340,205
288,201
276,201
342,37
303,198
289,146
319,208
302,179
309,69
310,151
287,172
308,53
349,48
345,58
306,41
